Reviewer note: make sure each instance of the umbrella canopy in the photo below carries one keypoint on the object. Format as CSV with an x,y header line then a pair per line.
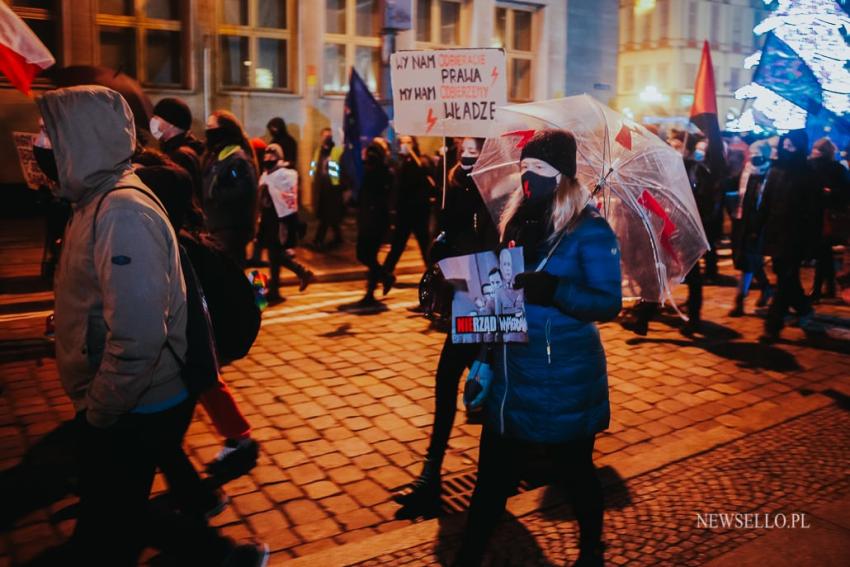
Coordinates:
x,y
638,182
127,86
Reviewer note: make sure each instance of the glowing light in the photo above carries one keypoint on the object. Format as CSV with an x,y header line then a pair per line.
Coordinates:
x,y
650,93
644,6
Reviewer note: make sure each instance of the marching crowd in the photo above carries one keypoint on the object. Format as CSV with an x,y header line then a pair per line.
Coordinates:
x,y
153,234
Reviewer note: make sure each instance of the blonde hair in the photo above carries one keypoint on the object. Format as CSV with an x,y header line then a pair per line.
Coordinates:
x,y
570,199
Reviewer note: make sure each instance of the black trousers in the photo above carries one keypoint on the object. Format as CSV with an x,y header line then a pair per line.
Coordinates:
x,y
694,283
789,293
322,230
454,360
369,243
281,256
824,270
407,223
500,463
117,467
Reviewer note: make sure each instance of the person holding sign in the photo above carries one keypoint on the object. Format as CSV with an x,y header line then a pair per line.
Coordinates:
x,y
552,392
279,220
465,228
414,188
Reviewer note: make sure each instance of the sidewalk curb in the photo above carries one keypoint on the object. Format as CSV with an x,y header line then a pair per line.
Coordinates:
x,y
757,418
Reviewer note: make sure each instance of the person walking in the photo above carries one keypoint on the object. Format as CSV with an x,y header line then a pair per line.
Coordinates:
x,y
278,134
834,185
170,126
413,190
120,365
373,220
466,227
787,218
230,185
552,392
748,257
279,220
325,170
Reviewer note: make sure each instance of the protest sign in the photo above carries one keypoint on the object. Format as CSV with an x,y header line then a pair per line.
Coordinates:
x,y
282,185
33,175
486,308
447,92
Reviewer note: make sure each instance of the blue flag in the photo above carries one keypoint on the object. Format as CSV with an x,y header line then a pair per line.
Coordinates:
x,y
364,120
783,71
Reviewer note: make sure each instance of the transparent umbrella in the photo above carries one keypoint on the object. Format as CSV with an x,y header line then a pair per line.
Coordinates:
x,y
638,182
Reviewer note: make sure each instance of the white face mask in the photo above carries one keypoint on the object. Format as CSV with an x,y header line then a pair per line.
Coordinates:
x,y
404,149
157,125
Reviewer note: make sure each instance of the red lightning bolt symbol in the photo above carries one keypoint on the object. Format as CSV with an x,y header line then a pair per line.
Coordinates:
x,y
495,75
525,136
431,119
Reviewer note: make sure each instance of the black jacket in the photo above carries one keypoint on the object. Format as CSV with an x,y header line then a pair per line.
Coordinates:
x,y
465,220
185,150
373,202
230,191
789,209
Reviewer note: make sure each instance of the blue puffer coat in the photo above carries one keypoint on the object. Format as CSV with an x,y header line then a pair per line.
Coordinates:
x,y
563,395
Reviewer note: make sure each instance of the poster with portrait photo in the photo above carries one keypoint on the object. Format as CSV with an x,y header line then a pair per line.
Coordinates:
x,y
486,308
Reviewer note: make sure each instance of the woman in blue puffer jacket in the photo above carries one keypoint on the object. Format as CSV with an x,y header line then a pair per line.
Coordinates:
x,y
551,392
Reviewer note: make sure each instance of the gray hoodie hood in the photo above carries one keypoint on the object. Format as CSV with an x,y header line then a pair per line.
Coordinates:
x,y
93,137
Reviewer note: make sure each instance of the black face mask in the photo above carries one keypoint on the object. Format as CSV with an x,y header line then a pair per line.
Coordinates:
x,y
46,161
215,137
268,165
537,187
467,162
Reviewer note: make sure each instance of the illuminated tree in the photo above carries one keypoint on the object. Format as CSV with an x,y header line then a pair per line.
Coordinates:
x,y
814,32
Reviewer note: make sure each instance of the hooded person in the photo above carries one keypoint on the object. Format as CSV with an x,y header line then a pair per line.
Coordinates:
x,y
230,185
832,197
280,135
119,364
550,393
787,218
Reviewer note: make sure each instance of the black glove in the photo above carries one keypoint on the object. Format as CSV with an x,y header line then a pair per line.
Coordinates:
x,y
539,287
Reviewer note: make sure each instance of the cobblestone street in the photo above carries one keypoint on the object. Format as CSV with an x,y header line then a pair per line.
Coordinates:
x,y
342,404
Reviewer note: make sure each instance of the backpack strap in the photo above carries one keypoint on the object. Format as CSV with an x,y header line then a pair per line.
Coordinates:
x,y
161,207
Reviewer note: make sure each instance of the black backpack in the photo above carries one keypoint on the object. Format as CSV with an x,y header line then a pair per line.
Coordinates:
x,y
230,297
200,368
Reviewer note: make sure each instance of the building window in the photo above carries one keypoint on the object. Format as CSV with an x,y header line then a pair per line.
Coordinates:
x,y
42,16
715,25
515,34
630,27
690,76
628,79
737,35
663,72
734,79
352,39
664,20
693,14
256,47
144,39
438,23
647,27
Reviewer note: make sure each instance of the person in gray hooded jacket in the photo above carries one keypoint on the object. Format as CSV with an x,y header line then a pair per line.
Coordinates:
x,y
120,315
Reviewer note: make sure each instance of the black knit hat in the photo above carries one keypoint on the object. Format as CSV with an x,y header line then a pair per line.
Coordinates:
x,y
555,147
174,111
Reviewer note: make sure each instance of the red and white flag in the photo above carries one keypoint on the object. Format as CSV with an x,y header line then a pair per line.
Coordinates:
x,y
22,55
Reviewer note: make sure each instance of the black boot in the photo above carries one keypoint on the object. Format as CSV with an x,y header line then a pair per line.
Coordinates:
x,y
423,497
738,310
764,298
591,555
